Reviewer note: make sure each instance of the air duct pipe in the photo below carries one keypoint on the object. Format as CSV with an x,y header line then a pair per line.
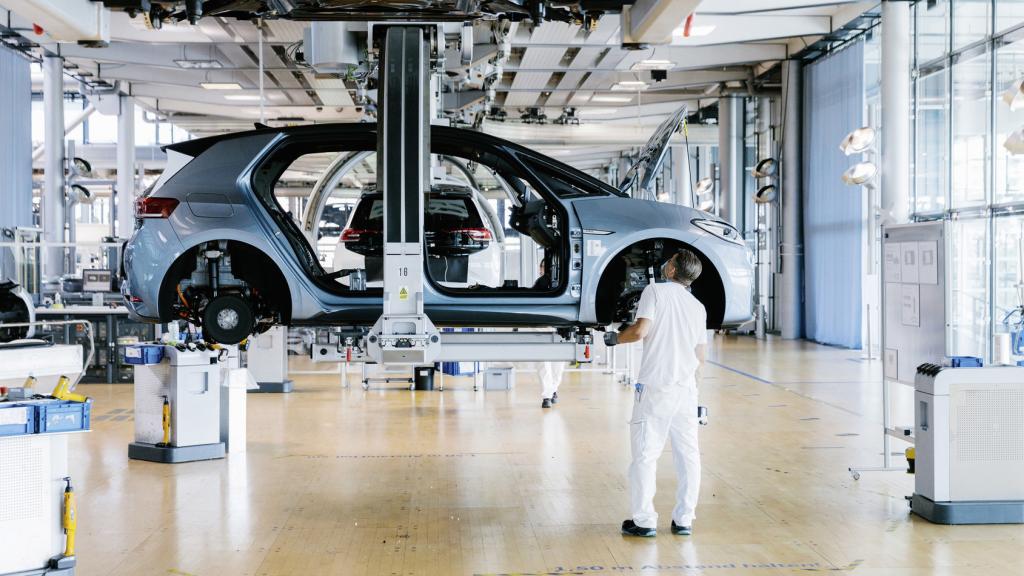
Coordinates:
x,y
730,158
53,206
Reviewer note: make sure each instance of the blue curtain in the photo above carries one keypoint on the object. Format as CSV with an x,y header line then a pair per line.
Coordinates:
x,y
15,150
833,106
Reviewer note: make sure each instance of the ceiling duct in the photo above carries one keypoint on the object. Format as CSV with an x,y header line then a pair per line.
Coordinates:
x,y
331,47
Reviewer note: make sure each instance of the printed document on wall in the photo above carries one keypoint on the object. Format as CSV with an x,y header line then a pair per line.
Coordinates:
x,y
928,262
910,308
909,258
892,262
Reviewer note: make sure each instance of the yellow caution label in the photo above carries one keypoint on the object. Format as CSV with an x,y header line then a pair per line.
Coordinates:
x,y
403,294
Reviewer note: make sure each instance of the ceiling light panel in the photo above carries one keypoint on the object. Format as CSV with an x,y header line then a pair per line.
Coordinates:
x,y
221,85
189,64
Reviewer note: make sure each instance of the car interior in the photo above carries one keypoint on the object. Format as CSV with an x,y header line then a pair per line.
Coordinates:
x,y
489,228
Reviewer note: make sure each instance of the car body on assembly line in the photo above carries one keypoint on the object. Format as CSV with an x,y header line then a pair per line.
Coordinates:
x,y
214,246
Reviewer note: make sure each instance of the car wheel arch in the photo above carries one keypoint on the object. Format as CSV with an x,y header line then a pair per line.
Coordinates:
x,y
250,257
709,288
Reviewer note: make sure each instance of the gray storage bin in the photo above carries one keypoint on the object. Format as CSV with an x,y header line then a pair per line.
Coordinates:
x,y
499,379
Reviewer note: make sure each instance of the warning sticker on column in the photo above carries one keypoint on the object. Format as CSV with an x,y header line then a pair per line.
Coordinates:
x,y
403,294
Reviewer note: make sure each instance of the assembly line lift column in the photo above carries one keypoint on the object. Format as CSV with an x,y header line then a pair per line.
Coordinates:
x,y
404,334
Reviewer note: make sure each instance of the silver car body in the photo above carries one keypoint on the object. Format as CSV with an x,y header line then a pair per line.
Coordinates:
x,y
217,202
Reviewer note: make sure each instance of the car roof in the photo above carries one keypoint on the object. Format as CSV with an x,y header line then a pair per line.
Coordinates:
x,y
196,147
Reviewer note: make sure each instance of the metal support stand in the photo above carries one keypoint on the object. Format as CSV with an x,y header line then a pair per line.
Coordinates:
x,y
404,334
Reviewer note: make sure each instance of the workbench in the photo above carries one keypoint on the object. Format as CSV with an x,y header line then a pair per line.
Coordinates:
x,y
108,324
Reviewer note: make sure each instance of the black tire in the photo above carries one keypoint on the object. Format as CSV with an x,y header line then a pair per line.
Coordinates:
x,y
227,319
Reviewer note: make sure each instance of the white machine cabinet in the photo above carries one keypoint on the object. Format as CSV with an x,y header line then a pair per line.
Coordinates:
x,y
268,360
969,437
191,381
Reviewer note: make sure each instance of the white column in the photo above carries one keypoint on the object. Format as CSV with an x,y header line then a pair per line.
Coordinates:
x,y
53,206
791,249
730,158
895,153
126,168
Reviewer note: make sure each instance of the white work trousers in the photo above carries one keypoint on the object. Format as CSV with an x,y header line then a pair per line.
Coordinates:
x,y
662,413
550,375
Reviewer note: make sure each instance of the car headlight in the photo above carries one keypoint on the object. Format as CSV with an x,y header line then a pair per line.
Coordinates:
x,y
719,229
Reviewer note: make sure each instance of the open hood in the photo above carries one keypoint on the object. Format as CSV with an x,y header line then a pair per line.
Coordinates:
x,y
653,154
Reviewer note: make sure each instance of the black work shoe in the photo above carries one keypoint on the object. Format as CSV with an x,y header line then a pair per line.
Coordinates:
x,y
629,528
681,530
554,397
545,403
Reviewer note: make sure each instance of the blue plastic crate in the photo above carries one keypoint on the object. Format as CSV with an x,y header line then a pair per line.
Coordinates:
x,y
965,362
143,354
17,419
62,416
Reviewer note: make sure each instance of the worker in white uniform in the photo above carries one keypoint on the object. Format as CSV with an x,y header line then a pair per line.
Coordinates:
x,y
673,326
549,373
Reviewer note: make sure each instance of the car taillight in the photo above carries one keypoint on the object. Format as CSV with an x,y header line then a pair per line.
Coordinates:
x,y
353,234
478,234
153,207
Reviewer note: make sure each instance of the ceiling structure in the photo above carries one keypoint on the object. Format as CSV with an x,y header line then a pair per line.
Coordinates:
x,y
550,66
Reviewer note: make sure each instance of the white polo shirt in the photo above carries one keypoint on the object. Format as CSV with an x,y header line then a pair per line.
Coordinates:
x,y
678,326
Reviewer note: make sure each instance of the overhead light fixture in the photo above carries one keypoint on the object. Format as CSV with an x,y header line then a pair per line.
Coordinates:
x,y
611,99
1014,143
766,168
243,97
765,195
654,65
1014,95
221,85
695,31
859,141
198,64
596,111
629,85
860,173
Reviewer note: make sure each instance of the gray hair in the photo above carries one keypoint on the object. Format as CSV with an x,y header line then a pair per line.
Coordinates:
x,y
688,266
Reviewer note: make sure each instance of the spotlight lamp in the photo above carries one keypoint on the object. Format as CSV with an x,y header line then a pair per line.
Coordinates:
x,y
859,141
704,185
765,195
1014,95
81,195
1014,143
704,192
860,174
766,168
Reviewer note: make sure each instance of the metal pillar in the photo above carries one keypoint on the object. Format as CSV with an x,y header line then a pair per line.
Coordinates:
x,y
404,334
53,205
682,179
126,168
791,249
730,158
895,157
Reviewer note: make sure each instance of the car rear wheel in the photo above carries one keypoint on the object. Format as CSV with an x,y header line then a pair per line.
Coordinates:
x,y
227,319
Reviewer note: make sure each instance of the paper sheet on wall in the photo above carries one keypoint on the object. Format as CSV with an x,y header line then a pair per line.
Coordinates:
x,y
910,307
892,257
928,262
909,263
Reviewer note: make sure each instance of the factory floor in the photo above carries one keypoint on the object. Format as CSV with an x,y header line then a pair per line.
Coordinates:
x,y
387,481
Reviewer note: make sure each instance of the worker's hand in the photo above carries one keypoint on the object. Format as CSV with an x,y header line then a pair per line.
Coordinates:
x,y
611,338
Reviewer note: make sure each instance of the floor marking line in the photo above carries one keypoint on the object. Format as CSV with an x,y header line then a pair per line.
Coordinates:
x,y
741,372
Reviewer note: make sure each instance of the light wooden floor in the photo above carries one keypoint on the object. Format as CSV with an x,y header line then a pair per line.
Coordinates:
x,y
392,482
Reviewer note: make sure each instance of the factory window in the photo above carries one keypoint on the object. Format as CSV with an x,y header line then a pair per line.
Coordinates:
x,y
932,25
1007,268
1009,169
932,159
968,288
972,20
1009,14
971,89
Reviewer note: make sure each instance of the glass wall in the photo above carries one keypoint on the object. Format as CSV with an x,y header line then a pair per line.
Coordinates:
x,y
968,53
